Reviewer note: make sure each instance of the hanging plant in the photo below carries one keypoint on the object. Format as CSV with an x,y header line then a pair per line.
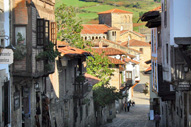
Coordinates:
x,y
20,39
85,101
80,79
48,54
19,52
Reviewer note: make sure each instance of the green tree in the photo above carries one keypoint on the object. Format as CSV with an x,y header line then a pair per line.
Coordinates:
x,y
105,95
99,66
68,27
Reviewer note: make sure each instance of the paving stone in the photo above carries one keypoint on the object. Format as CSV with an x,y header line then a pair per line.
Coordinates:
x,y
138,115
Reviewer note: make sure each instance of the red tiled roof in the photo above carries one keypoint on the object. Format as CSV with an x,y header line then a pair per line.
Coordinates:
x,y
91,79
132,56
108,51
156,9
148,69
115,11
95,29
115,61
121,45
139,34
96,44
124,31
62,43
134,42
130,60
71,51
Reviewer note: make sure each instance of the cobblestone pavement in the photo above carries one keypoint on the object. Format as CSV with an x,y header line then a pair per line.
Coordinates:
x,y
138,115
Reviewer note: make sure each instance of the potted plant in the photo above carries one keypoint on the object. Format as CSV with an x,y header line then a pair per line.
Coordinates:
x,y
20,39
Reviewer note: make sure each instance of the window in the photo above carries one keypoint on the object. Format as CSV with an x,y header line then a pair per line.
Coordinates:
x,y
165,13
44,28
2,42
20,35
114,33
141,50
40,32
53,32
189,104
167,53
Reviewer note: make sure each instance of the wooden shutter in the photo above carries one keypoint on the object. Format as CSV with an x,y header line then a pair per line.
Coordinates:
x,y
46,32
53,32
40,32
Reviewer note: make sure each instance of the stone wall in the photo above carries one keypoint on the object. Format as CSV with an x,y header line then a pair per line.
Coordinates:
x,y
115,78
124,37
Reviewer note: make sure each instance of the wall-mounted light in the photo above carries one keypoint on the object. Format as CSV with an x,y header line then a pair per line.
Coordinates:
x,y
64,62
186,68
36,86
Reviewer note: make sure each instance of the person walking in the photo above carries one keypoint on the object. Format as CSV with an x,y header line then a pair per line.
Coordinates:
x,y
128,106
125,106
157,119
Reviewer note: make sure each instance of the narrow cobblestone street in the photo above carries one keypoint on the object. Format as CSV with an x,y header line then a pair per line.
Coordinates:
x,y
138,115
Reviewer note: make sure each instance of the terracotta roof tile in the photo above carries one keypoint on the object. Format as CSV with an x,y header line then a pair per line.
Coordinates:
x,y
121,45
71,51
125,31
108,51
62,43
156,9
95,29
139,34
91,79
134,42
130,60
148,69
115,61
115,11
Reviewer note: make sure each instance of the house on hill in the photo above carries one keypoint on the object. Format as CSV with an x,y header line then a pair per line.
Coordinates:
x,y
115,25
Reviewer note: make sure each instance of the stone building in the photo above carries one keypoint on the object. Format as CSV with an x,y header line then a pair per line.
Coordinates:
x,y
144,48
171,61
115,25
32,29
120,19
116,28
71,95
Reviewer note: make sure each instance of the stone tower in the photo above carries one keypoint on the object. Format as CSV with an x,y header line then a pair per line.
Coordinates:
x,y
117,18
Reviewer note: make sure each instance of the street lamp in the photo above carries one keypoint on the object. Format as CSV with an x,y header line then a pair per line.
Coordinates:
x,y
36,86
186,68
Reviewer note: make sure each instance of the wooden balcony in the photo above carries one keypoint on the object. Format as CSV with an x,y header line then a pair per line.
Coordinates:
x,y
81,90
164,90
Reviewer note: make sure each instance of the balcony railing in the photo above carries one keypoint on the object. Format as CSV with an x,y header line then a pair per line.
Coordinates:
x,y
82,90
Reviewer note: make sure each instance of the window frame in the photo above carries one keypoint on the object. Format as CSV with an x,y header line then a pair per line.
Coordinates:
x,y
20,25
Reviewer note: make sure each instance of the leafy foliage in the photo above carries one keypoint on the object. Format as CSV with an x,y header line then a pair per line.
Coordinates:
x,y
49,54
20,37
68,27
99,66
20,52
105,95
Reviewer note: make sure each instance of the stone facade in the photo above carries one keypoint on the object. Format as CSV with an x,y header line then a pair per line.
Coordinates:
x,y
29,75
122,21
66,108
144,56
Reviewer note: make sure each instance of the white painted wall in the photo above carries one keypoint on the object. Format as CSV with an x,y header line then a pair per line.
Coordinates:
x,y
182,18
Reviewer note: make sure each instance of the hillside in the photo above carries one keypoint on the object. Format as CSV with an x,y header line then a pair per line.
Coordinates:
x,y
88,10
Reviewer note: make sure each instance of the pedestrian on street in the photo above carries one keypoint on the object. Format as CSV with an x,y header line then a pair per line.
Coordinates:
x,y
157,119
128,106
133,103
125,106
